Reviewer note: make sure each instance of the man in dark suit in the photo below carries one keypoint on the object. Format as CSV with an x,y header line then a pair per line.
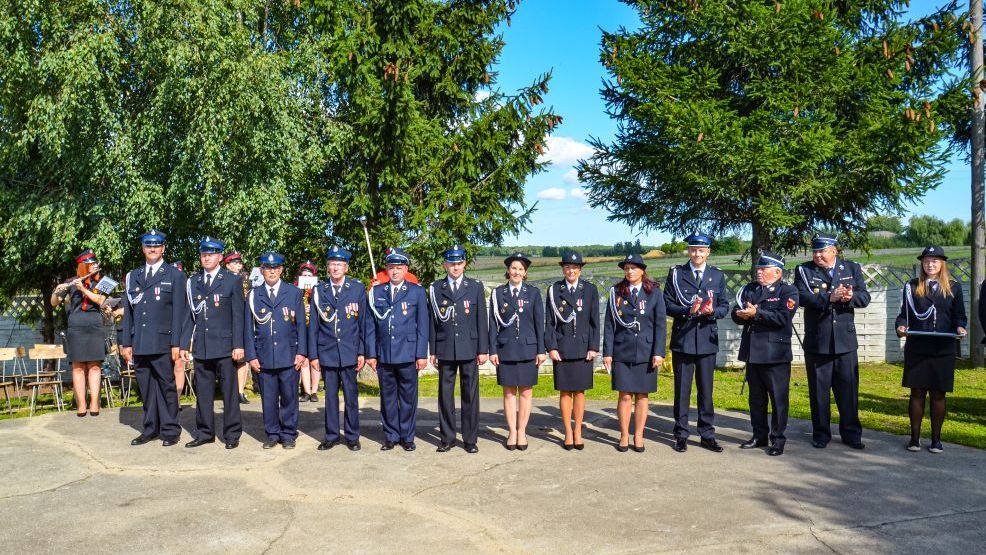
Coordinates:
x,y
830,289
695,296
396,340
459,344
765,308
335,343
214,334
276,342
154,312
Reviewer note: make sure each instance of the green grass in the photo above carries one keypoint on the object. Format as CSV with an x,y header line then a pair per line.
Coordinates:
x,y
882,400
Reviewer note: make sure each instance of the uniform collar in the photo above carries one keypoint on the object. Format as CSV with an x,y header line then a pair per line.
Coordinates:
x,y
212,275
693,268
153,267
276,287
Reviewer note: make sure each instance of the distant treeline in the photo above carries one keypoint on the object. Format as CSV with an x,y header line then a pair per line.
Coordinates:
x,y
887,232
726,245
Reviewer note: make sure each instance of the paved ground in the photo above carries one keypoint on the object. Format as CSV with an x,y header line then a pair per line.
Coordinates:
x,y
76,485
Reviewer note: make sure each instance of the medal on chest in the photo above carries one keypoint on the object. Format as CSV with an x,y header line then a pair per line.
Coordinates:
x,y
404,308
578,305
215,299
465,305
157,293
287,315
642,304
520,305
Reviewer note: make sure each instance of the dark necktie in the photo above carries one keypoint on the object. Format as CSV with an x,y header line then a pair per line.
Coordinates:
x,y
455,287
335,291
514,292
633,296
150,272
208,281
698,277
271,293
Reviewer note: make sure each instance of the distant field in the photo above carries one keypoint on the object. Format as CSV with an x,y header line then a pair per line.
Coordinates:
x,y
490,268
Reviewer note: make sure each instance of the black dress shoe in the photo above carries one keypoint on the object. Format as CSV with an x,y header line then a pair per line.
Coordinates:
x,y
819,444
270,443
567,446
409,446
141,439
387,446
622,448
711,444
855,444
326,445
313,397
578,446
519,447
169,442
288,444
638,449
775,451
753,443
243,399
199,441
680,445
353,445
444,447
232,444
471,448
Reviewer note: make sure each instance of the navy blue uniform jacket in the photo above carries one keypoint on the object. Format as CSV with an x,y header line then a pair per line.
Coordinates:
x,y
466,332
829,327
274,331
397,331
574,339
698,334
635,345
523,338
214,326
949,314
154,310
767,336
336,326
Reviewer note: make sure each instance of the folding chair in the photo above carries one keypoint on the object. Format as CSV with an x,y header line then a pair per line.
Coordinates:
x,y
9,373
41,379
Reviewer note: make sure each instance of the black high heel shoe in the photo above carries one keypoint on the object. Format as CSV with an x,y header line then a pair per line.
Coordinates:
x,y
638,449
579,446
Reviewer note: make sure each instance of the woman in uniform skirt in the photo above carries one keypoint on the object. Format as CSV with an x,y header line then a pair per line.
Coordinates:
x,y
571,337
85,339
516,345
932,303
633,345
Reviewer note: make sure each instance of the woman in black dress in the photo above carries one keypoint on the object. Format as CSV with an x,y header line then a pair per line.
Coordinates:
x,y
932,303
516,345
571,336
85,339
633,345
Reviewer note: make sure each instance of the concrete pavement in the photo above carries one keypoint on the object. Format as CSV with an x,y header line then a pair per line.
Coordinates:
x,y
76,485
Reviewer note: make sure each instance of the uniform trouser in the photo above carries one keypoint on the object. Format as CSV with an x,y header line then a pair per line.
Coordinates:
x,y
703,369
206,372
398,401
468,371
334,377
156,380
773,381
280,402
840,374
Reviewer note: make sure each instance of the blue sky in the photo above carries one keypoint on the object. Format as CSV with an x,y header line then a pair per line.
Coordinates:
x,y
563,36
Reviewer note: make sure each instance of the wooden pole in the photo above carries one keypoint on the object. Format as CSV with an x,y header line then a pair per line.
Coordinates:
x,y
978,196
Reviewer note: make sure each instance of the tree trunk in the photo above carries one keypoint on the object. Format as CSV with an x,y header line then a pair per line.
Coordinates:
x,y
48,321
759,243
978,198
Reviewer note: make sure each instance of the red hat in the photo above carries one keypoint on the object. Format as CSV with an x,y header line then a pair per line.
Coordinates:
x,y
307,265
86,257
231,257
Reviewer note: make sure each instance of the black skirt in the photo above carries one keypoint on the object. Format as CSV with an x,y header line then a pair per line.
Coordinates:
x,y
573,375
935,372
634,378
84,339
517,373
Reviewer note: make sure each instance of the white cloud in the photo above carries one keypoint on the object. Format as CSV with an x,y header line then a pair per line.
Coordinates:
x,y
571,176
577,192
552,193
565,151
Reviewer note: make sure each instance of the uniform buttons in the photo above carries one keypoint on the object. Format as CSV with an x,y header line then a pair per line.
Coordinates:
x,y
143,325
275,333
275,343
